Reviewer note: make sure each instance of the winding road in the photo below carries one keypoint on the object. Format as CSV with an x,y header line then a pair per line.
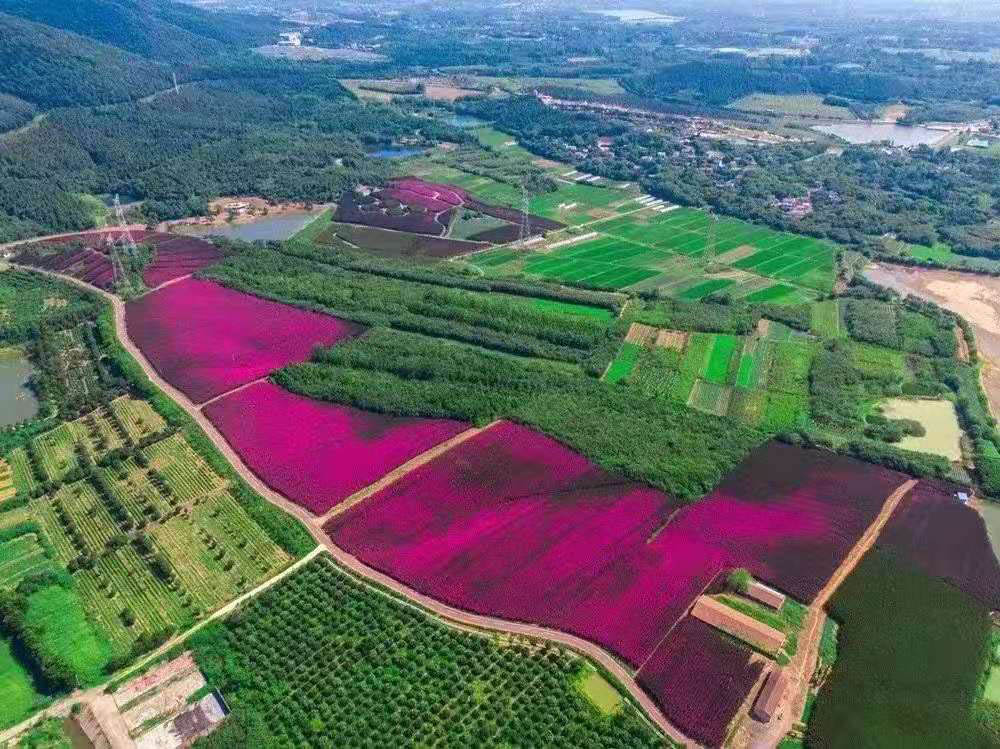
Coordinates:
x,y
457,618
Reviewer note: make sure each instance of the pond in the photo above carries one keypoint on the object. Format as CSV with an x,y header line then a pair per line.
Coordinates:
x,y
991,514
266,228
875,132
395,152
465,121
17,401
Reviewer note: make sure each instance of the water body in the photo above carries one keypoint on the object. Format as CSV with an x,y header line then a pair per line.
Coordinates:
x,y
876,132
17,401
991,514
265,229
465,121
395,153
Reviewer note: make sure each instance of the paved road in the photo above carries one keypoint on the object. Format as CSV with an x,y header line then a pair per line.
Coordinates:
x,y
456,617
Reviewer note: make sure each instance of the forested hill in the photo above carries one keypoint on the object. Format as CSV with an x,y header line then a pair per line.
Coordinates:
x,y
154,29
51,68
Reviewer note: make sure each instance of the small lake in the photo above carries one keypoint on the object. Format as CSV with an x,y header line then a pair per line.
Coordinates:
x,y
991,514
465,121
396,153
17,402
876,132
264,229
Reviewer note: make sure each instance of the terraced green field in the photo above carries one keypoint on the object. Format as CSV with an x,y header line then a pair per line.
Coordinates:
x,y
154,537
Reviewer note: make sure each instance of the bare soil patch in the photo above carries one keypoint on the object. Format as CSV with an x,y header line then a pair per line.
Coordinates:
x,y
675,339
642,335
974,297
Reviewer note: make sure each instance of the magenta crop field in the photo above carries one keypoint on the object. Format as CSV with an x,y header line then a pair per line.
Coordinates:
x,y
316,453
205,339
700,678
946,539
514,524
175,256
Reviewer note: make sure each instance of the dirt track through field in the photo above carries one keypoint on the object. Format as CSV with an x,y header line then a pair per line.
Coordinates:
x,y
453,616
800,670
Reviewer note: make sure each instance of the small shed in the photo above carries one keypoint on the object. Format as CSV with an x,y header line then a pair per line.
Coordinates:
x,y
765,595
769,697
739,625
962,497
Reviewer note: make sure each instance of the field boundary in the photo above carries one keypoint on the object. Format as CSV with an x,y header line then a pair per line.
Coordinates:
x,y
454,616
398,473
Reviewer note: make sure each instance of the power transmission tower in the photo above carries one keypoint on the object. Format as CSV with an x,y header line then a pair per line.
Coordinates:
x,y
713,228
525,229
122,248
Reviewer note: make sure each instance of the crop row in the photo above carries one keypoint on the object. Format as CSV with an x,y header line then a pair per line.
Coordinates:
x,y
320,652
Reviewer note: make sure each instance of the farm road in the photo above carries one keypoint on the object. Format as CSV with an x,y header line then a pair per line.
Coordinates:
x,y
455,617
801,668
95,696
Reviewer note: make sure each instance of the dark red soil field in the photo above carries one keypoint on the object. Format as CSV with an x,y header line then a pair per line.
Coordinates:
x,y
700,678
945,539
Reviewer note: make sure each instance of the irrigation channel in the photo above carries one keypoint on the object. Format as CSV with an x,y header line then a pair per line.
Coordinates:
x,y
475,623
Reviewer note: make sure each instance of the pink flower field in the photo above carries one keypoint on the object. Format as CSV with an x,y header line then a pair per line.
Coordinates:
x,y
700,679
205,339
175,256
514,524
315,453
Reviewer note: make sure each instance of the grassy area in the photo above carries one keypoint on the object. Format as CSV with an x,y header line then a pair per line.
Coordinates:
x,y
57,614
911,653
826,321
942,254
596,688
552,305
314,228
624,363
809,105
18,694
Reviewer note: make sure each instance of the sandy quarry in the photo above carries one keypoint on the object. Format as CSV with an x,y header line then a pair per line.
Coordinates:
x,y
974,297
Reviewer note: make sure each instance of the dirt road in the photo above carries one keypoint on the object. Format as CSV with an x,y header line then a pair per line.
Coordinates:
x,y
801,668
95,695
453,616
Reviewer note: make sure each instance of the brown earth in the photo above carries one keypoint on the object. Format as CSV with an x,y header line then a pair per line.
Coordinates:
x,y
675,339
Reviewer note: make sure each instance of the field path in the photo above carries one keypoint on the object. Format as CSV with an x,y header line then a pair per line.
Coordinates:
x,y
801,668
453,616
102,230
95,697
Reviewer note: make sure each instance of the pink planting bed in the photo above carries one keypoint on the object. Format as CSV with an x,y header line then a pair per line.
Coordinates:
x,y
516,525
318,454
700,678
205,339
946,539
175,256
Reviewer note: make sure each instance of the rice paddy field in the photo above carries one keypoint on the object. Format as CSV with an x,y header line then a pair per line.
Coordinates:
x,y
685,253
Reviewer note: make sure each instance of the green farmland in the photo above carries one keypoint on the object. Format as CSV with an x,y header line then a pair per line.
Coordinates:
x,y
684,252
153,537
760,380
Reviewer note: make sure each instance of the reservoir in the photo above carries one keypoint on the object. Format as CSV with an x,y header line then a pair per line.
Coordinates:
x,y
17,401
265,229
876,132
393,152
